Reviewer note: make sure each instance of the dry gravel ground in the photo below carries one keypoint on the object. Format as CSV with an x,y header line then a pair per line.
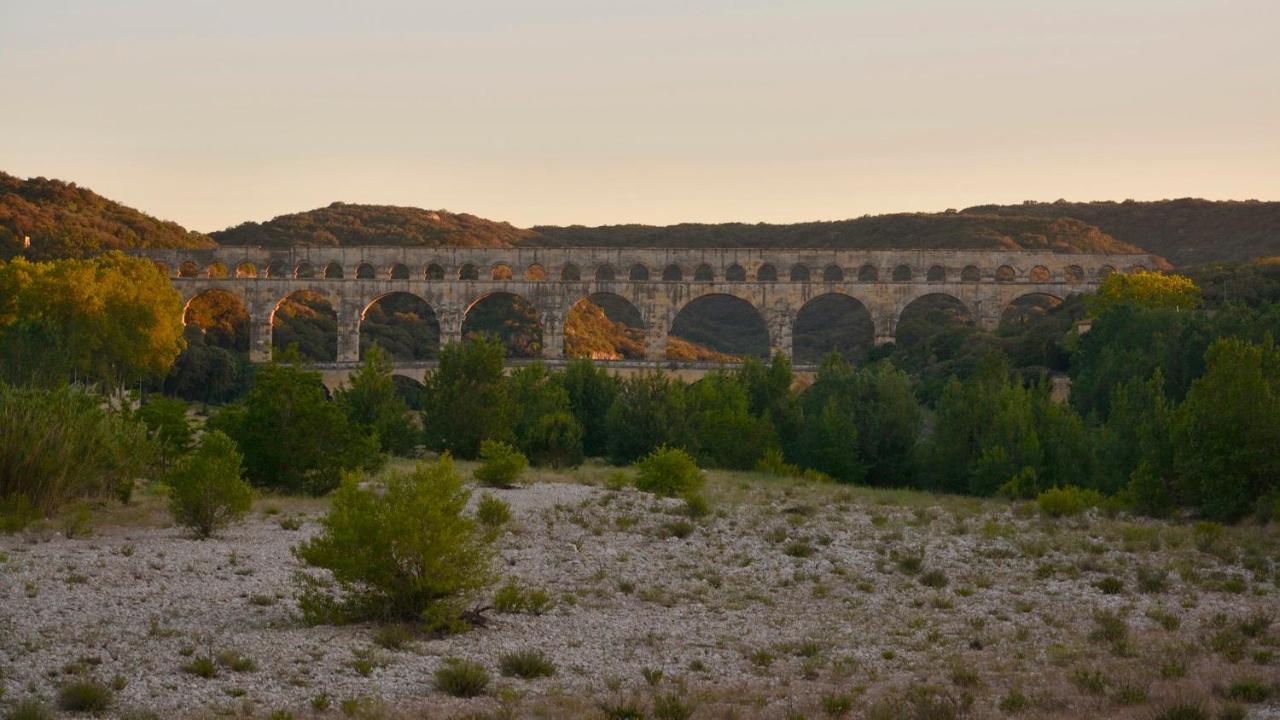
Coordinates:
x,y
791,599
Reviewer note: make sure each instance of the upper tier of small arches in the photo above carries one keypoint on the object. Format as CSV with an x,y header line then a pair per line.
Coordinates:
x,y
735,272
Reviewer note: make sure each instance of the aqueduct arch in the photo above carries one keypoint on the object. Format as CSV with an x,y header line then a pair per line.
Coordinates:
x,y
777,282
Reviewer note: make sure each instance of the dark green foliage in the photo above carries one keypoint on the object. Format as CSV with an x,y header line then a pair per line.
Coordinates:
x,y
500,464
723,431
62,444
405,551
466,399
859,424
649,412
670,472
292,437
591,392
371,403
514,598
541,422
462,678
84,696
403,325
994,435
207,373
167,425
769,395
556,441
208,490
1227,432
306,322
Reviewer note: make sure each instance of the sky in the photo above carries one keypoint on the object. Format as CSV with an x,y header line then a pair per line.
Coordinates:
x,y
211,113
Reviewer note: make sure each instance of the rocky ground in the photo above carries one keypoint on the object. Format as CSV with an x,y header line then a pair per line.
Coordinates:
x,y
791,599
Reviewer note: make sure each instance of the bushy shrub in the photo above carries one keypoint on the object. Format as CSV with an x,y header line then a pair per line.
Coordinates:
x,y
1067,501
292,437
166,421
513,598
29,709
462,678
404,551
209,492
62,444
527,664
84,696
493,512
670,472
370,401
500,464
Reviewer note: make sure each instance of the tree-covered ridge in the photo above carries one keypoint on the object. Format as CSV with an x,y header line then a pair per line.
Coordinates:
x,y
1186,231
64,220
925,231
342,224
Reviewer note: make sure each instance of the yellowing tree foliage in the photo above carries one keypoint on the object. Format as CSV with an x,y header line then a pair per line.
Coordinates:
x,y
110,318
1147,290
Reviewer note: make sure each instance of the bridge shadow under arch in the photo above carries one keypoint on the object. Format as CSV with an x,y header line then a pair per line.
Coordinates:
x,y
222,318
306,318
717,328
929,315
604,326
508,317
832,321
1025,309
403,325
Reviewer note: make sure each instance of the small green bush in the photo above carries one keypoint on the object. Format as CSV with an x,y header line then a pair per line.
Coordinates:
x,y
500,464
669,706
29,709
492,511
934,579
512,598
1207,535
1249,691
1110,585
406,551
202,667
209,492
669,472
462,678
527,664
84,696
394,636
1182,711
1068,501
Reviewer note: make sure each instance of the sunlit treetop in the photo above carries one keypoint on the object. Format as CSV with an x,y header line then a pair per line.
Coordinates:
x,y
1147,290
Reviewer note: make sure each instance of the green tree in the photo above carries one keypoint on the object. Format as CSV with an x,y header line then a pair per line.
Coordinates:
x,y
591,393
878,404
466,399
117,319
209,492
769,395
292,437
556,441
207,373
371,402
669,472
1227,432
722,431
1152,290
532,394
167,424
648,412
500,464
404,550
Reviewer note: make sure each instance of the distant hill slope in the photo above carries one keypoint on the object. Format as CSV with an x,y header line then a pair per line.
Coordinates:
x,y
347,224
1186,231
879,232
63,220
350,224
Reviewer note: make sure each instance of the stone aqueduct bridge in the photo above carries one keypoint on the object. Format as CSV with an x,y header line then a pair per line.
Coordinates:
x,y
657,282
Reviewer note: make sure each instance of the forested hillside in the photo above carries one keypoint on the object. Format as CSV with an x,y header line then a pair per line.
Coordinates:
x,y
64,220
346,224
1186,231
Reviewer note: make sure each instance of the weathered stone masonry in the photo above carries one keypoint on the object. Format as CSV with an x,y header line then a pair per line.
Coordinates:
x,y
658,282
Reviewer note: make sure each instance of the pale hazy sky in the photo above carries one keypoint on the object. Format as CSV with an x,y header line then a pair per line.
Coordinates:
x,y
656,111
